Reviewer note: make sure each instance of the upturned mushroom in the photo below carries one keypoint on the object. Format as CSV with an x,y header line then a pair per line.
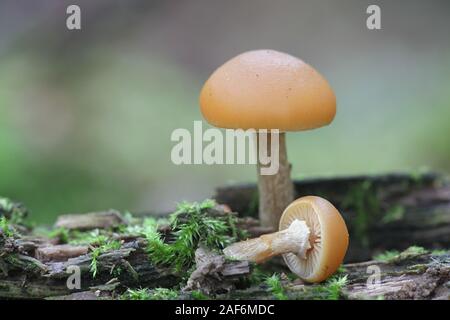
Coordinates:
x,y
267,89
312,239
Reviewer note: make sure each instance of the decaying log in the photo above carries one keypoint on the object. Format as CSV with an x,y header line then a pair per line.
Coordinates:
x,y
60,252
418,277
415,276
382,212
23,276
88,221
423,276
213,274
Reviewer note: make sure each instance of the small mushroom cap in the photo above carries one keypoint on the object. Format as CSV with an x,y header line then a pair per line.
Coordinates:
x,y
328,238
267,89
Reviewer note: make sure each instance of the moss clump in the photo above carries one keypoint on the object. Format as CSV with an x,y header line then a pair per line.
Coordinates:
x,y
418,268
62,234
25,263
97,251
439,252
95,237
258,275
363,200
147,294
191,226
136,294
163,294
12,215
275,287
341,270
334,286
386,256
396,256
198,295
331,289
395,213
5,228
13,211
414,251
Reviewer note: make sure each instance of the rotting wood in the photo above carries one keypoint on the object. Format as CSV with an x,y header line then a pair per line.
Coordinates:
x,y
88,221
383,212
60,252
424,221
28,278
213,274
421,276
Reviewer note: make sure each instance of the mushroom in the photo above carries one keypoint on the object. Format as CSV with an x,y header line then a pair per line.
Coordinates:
x,y
267,89
312,239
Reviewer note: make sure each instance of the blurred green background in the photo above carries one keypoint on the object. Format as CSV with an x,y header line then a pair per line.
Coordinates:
x,y
86,116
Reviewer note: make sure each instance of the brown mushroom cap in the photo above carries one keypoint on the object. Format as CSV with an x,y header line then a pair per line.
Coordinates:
x,y
267,89
328,238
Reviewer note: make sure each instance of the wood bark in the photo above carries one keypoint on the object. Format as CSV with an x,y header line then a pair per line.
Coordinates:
x,y
37,268
87,221
421,277
417,276
406,276
382,212
23,276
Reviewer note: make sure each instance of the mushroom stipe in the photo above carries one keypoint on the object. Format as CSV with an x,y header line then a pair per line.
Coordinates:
x,y
312,239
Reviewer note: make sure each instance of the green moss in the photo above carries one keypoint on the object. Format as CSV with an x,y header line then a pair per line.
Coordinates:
x,y
418,268
6,228
62,234
15,212
136,294
141,228
11,215
258,275
147,294
334,287
341,270
395,256
331,289
386,256
439,252
97,251
395,213
414,251
417,176
198,295
117,271
98,240
25,263
363,200
163,294
275,287
95,237
253,205
191,226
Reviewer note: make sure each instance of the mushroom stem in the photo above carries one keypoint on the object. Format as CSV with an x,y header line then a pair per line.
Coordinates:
x,y
276,191
294,239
